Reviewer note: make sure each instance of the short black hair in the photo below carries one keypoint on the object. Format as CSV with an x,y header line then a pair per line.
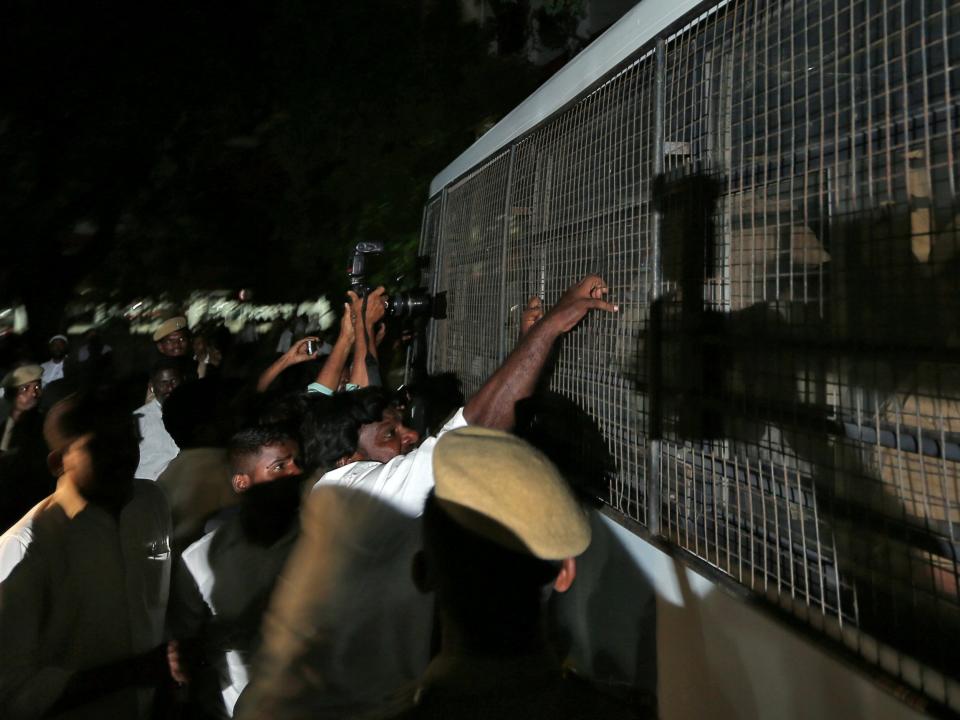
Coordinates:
x,y
571,439
284,409
192,415
166,363
115,443
250,441
99,410
331,424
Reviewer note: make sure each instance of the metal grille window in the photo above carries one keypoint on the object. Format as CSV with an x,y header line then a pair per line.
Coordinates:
x,y
771,192
472,232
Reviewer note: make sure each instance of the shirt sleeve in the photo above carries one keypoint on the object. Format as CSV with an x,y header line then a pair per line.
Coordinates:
x,y
12,550
350,528
404,482
15,541
27,688
189,607
316,387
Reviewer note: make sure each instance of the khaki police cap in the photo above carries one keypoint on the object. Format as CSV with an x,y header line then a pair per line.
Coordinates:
x,y
501,488
169,326
22,375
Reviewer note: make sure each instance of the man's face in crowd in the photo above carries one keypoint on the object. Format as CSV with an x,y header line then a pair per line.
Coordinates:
x,y
164,383
275,462
58,349
78,462
99,466
27,396
174,344
382,441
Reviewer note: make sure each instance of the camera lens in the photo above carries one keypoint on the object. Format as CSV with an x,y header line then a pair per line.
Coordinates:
x,y
404,305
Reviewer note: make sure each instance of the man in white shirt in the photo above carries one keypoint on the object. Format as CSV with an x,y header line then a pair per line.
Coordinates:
x,y
157,448
346,627
53,368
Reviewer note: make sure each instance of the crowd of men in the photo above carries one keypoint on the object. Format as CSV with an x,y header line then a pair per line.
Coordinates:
x,y
254,551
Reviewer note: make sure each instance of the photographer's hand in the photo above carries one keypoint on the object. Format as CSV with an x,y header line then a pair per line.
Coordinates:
x,y
295,355
369,311
376,308
348,330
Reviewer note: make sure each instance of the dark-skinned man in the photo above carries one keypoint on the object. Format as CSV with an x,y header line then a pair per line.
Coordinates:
x,y
233,568
84,576
346,628
500,528
157,448
24,480
53,368
173,340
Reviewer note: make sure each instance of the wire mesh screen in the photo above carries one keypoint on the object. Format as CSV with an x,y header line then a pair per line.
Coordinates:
x,y
430,241
470,271
580,205
770,192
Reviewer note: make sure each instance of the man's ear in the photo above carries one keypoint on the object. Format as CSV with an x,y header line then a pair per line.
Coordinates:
x,y
566,576
240,481
422,576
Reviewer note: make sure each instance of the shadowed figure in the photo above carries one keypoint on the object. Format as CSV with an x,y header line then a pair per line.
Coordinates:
x,y
605,625
830,394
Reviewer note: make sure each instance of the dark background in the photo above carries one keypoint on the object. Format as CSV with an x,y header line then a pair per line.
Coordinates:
x,y
153,149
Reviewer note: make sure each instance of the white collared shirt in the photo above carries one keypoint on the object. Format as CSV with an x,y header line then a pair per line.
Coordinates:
x,y
349,626
157,448
52,370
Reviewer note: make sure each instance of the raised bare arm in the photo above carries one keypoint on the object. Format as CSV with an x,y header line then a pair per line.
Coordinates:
x,y
295,355
493,405
364,330
330,373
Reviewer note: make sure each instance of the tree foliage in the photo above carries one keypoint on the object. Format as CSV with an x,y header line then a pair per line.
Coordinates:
x,y
241,144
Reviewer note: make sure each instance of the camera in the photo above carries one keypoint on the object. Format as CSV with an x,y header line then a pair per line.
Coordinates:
x,y
403,305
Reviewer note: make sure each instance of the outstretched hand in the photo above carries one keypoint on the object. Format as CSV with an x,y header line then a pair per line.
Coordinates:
x,y
494,404
347,328
376,306
532,313
298,352
577,301
295,355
